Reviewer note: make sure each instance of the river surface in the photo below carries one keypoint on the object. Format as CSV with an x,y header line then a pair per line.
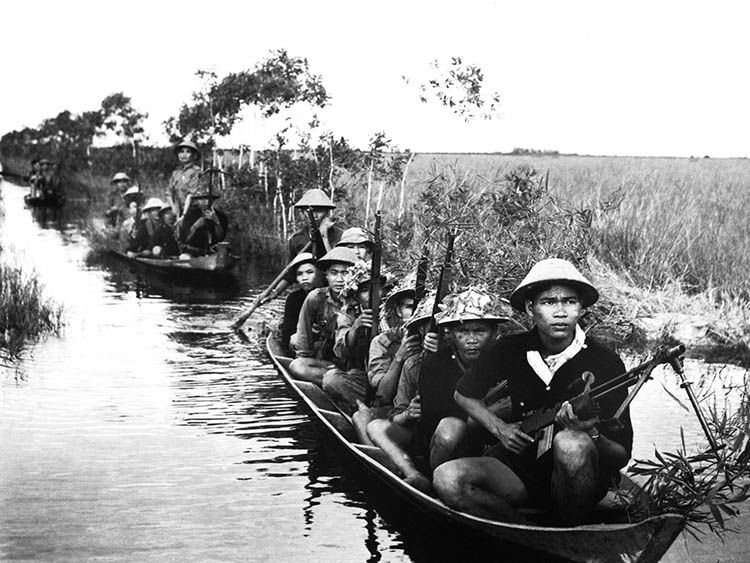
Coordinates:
x,y
150,431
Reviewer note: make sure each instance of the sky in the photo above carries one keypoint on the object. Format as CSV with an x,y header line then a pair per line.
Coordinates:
x,y
619,78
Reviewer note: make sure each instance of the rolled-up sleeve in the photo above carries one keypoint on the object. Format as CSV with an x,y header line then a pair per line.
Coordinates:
x,y
344,322
408,385
379,359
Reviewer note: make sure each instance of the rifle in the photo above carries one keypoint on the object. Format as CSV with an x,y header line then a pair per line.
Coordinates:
x,y
265,295
375,284
441,284
585,404
316,238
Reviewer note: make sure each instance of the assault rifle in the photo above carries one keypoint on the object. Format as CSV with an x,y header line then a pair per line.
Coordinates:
x,y
585,404
316,238
375,283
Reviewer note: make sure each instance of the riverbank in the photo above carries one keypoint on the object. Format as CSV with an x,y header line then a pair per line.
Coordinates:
x,y
26,313
664,275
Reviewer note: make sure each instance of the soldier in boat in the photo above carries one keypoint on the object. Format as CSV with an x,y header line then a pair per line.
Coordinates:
x,y
348,383
186,179
126,233
143,241
164,240
117,212
202,225
34,177
359,241
305,272
316,327
569,470
50,184
426,420
330,231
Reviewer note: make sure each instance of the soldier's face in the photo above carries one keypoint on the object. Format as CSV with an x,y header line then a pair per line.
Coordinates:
x,y
470,338
306,276
336,276
361,249
185,155
405,309
556,312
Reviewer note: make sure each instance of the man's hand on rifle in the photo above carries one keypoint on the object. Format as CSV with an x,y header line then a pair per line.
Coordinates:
x,y
567,418
364,320
510,435
410,345
325,223
430,342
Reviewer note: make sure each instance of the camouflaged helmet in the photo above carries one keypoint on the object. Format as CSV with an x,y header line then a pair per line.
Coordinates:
x,y
423,312
473,304
358,275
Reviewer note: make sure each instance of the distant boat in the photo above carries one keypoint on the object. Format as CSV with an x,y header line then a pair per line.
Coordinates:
x,y
208,268
53,200
643,542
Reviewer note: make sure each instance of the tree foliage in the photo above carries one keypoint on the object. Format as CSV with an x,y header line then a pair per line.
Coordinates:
x,y
278,82
120,117
459,86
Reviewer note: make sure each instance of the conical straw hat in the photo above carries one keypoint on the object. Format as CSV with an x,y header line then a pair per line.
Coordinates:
x,y
553,271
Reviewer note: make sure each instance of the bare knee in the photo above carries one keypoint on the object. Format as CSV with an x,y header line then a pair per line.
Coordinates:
x,y
448,480
573,448
449,433
377,428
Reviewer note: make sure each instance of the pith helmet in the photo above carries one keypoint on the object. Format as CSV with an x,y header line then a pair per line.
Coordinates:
x,y
315,198
153,203
553,271
301,258
189,144
340,254
164,208
423,312
133,192
354,235
120,177
473,304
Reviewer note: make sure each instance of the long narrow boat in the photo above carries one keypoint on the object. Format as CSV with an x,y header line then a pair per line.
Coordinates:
x,y
642,542
207,268
54,200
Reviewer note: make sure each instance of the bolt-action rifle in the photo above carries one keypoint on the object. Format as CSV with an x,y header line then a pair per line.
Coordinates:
x,y
318,246
376,288
442,285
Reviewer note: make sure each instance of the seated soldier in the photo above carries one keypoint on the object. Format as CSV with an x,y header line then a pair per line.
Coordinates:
x,y
164,240
316,327
426,420
143,241
50,184
359,241
34,177
127,230
571,469
349,384
201,225
305,272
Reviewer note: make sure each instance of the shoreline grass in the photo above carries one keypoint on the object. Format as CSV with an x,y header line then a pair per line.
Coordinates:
x,y
26,313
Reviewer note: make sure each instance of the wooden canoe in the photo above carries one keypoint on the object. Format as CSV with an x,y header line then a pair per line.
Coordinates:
x,y
55,200
642,542
201,268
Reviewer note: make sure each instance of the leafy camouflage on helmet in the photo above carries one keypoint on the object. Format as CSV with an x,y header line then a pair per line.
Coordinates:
x,y
359,274
423,312
472,304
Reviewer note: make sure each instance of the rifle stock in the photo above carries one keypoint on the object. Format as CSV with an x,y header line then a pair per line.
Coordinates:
x,y
375,285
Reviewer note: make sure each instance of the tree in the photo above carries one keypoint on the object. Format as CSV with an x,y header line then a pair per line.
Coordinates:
x,y
460,88
120,117
278,82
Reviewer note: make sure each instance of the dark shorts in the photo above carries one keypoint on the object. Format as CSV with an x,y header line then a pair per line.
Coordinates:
x,y
536,474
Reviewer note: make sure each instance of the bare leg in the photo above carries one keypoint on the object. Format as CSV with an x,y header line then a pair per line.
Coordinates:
x,y
574,478
392,438
363,417
448,441
310,369
482,486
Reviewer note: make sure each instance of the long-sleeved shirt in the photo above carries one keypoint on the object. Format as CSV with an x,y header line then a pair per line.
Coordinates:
x,y
355,355
184,180
316,327
383,350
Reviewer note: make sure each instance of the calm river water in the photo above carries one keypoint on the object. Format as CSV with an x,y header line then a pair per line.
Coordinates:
x,y
150,431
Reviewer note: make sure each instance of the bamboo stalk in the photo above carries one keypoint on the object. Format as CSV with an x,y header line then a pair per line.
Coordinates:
x,y
369,192
403,184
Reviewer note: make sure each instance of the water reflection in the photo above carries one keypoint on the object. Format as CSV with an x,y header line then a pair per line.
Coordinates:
x,y
152,431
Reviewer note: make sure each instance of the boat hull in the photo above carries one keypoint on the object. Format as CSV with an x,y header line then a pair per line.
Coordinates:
x,y
644,541
53,201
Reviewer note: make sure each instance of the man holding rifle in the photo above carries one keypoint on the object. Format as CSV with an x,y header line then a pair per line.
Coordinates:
x,y
567,465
